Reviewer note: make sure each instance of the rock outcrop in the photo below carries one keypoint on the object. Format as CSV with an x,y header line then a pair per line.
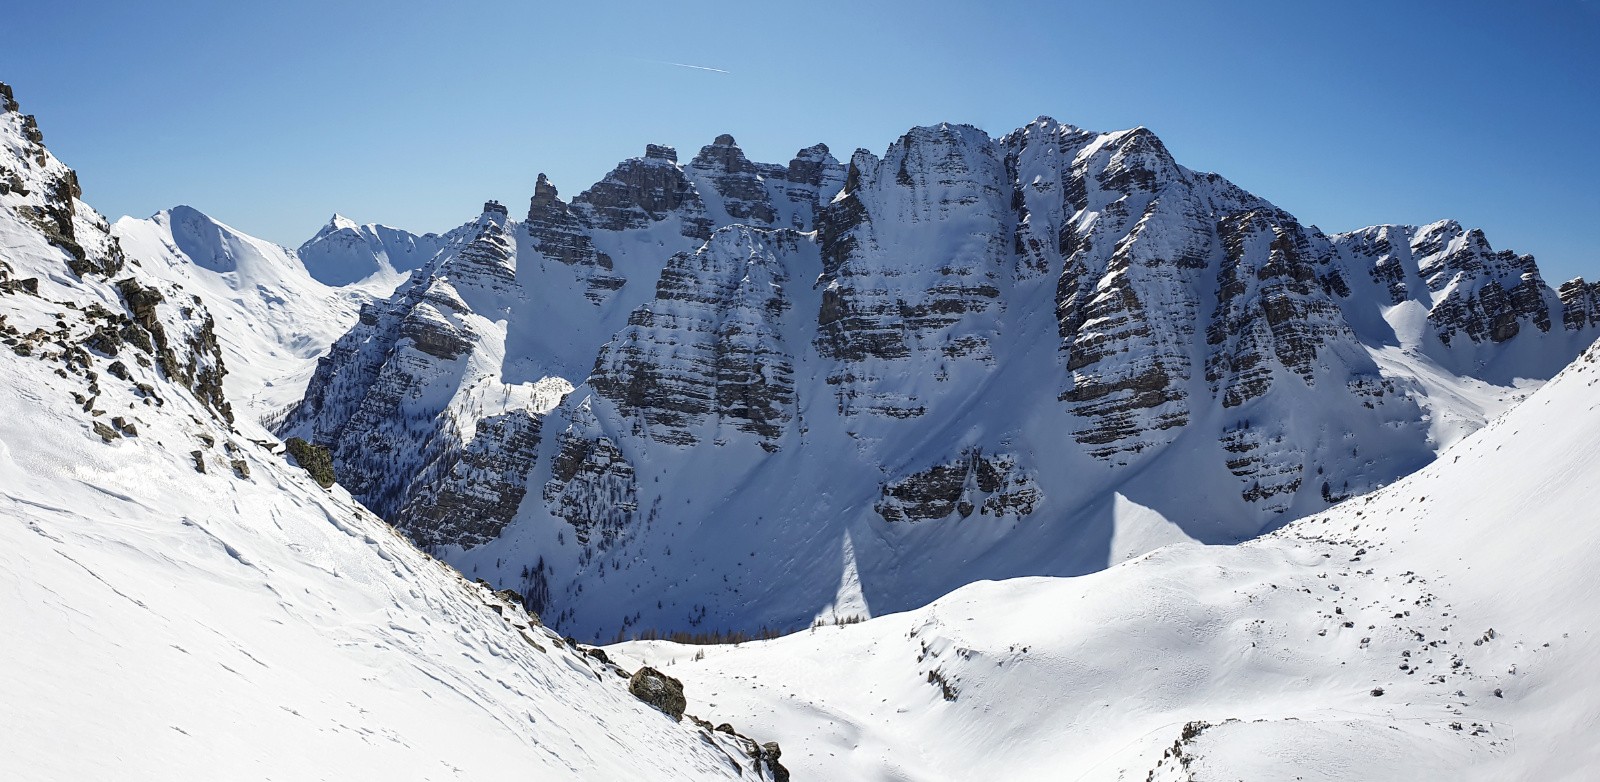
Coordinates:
x,y
643,191
914,252
659,690
559,235
709,348
1580,304
592,485
479,488
990,484
153,325
736,182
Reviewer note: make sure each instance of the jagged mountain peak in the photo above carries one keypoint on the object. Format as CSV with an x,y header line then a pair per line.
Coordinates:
x,y
660,152
981,331
339,222
544,189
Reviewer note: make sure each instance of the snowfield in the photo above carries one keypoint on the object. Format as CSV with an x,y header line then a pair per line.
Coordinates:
x,y
1464,594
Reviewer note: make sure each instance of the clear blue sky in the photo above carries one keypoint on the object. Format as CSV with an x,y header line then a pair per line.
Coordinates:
x,y
272,116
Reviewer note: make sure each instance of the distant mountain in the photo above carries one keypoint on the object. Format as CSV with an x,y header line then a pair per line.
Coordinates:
x,y
272,319
183,602
344,253
725,393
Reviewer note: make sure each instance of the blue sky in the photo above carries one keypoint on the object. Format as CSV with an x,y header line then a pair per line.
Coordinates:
x,y
272,116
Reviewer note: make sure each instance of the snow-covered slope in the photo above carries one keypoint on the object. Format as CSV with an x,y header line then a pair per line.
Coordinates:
x,y
182,602
976,358
1444,627
273,320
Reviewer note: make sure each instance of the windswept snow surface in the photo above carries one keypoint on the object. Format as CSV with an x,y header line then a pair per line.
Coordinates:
x,y
1444,627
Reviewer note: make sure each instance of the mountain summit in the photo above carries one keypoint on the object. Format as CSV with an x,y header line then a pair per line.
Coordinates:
x,y
760,393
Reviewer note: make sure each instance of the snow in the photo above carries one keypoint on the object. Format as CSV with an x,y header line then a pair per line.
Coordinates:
x,y
728,535
190,626
371,255
242,622
1468,588
273,318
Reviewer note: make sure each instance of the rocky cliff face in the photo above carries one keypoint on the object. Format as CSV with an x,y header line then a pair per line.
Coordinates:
x,y
135,329
991,485
987,356
392,396
402,399
709,349
914,254
558,234
1472,292
1580,304
645,190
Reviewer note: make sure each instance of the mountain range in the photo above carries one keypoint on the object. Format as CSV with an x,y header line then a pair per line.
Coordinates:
x,y
763,393
348,509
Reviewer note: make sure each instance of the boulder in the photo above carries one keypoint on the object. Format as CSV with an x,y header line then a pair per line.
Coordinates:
x,y
659,690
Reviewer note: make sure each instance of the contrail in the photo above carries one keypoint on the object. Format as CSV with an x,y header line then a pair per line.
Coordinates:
x,y
687,65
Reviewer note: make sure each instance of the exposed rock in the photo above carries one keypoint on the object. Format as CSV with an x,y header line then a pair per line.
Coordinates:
x,y
1470,290
1487,295
1270,466
913,249
592,483
659,690
107,433
482,487
957,270
736,181
1270,306
1580,304
559,235
643,191
710,344
991,484
312,458
183,336
770,752
377,373
812,179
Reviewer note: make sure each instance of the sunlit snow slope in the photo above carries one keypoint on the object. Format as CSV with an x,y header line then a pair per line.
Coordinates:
x,y
1442,628
273,318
